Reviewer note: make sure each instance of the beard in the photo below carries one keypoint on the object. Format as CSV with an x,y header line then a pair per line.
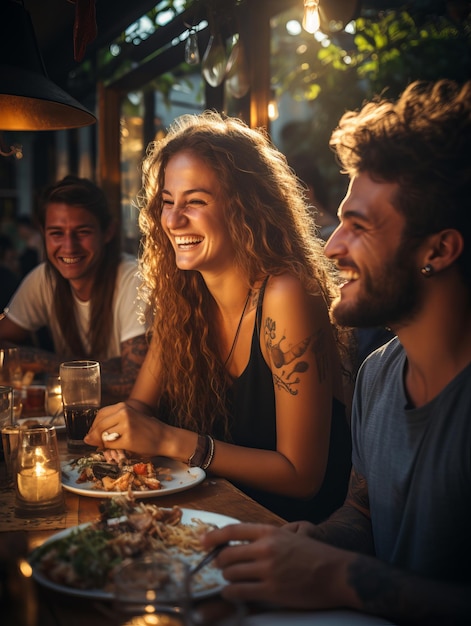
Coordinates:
x,y
388,298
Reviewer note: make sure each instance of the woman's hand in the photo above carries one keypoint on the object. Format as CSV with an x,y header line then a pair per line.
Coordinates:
x,y
128,429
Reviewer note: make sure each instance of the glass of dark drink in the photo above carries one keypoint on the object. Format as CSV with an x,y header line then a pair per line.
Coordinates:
x,y
81,398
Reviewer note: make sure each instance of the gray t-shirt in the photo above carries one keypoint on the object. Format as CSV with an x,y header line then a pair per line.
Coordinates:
x,y
417,463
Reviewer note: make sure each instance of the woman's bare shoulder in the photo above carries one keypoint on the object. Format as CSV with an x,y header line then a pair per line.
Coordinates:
x,y
285,288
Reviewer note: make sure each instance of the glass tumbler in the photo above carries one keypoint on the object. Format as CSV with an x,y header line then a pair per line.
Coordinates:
x,y
10,436
11,374
6,411
81,398
153,585
53,396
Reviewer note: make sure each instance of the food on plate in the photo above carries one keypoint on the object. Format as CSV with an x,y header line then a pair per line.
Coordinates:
x,y
125,475
30,423
87,557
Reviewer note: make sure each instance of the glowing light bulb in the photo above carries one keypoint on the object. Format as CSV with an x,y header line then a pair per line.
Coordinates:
x,y
192,55
311,19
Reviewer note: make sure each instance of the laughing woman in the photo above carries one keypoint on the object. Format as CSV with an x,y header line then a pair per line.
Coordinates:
x,y
244,375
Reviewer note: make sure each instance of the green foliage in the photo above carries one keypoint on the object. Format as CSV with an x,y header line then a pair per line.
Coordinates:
x,y
396,50
384,54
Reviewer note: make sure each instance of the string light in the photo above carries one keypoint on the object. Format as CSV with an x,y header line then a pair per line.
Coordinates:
x,y
311,19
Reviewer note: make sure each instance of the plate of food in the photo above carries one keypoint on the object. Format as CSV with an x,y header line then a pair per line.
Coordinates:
x,y
43,420
80,561
92,476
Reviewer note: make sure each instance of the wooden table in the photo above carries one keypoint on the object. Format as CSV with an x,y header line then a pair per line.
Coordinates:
x,y
213,494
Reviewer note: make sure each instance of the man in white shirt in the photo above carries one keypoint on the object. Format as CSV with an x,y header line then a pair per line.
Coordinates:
x,y
85,293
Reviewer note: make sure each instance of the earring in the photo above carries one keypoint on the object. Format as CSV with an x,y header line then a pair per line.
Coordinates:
x,y
427,270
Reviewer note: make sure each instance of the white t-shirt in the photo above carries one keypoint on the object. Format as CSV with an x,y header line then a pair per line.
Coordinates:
x,y
31,307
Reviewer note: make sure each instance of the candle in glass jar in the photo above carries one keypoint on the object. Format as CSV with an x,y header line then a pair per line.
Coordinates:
x,y
38,483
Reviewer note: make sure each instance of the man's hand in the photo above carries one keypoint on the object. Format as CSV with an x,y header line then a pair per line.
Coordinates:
x,y
282,567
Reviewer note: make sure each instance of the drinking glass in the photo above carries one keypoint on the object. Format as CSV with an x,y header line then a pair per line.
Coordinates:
x,y
38,473
81,398
10,436
11,373
152,585
6,410
34,400
53,398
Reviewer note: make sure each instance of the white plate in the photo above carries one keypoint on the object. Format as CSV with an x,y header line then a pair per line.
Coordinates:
x,y
208,574
58,423
183,477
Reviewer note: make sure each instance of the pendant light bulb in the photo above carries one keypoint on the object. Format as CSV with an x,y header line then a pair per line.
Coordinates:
x,y
192,55
213,66
311,19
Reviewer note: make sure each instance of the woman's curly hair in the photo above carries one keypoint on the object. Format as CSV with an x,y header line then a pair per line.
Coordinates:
x,y
272,231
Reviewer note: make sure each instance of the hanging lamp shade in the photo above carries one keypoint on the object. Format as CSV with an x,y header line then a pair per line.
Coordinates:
x,y
29,100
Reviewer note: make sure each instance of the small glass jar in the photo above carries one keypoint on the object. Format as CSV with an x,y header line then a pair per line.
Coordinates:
x,y
38,473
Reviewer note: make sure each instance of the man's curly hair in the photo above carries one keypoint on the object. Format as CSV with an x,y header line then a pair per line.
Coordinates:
x,y
422,141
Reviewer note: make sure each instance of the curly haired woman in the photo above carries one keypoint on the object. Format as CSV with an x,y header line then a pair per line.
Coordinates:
x,y
244,374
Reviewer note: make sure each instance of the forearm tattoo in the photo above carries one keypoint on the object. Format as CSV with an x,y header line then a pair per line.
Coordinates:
x,y
288,378
119,375
349,526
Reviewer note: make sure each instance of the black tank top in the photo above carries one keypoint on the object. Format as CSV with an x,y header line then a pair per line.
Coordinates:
x,y
253,425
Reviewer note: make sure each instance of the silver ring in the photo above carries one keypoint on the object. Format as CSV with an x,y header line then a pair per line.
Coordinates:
x,y
106,436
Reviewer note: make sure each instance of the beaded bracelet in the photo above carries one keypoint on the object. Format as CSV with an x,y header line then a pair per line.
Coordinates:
x,y
201,451
210,456
204,452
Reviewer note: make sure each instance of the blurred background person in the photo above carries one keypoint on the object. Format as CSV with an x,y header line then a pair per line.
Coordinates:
x,y
9,274
31,251
85,293
317,192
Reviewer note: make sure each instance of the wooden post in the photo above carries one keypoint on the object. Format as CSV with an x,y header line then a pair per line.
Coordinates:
x,y
108,163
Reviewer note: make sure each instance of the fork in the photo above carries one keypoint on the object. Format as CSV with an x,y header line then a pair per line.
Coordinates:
x,y
208,557
54,417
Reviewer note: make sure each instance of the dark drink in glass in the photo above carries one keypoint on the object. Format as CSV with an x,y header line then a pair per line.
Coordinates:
x,y
81,397
78,420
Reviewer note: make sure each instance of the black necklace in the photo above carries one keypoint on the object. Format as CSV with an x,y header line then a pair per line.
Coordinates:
x,y
236,336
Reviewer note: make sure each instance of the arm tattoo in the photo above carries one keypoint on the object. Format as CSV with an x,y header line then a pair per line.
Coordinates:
x,y
119,375
357,494
350,526
281,358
